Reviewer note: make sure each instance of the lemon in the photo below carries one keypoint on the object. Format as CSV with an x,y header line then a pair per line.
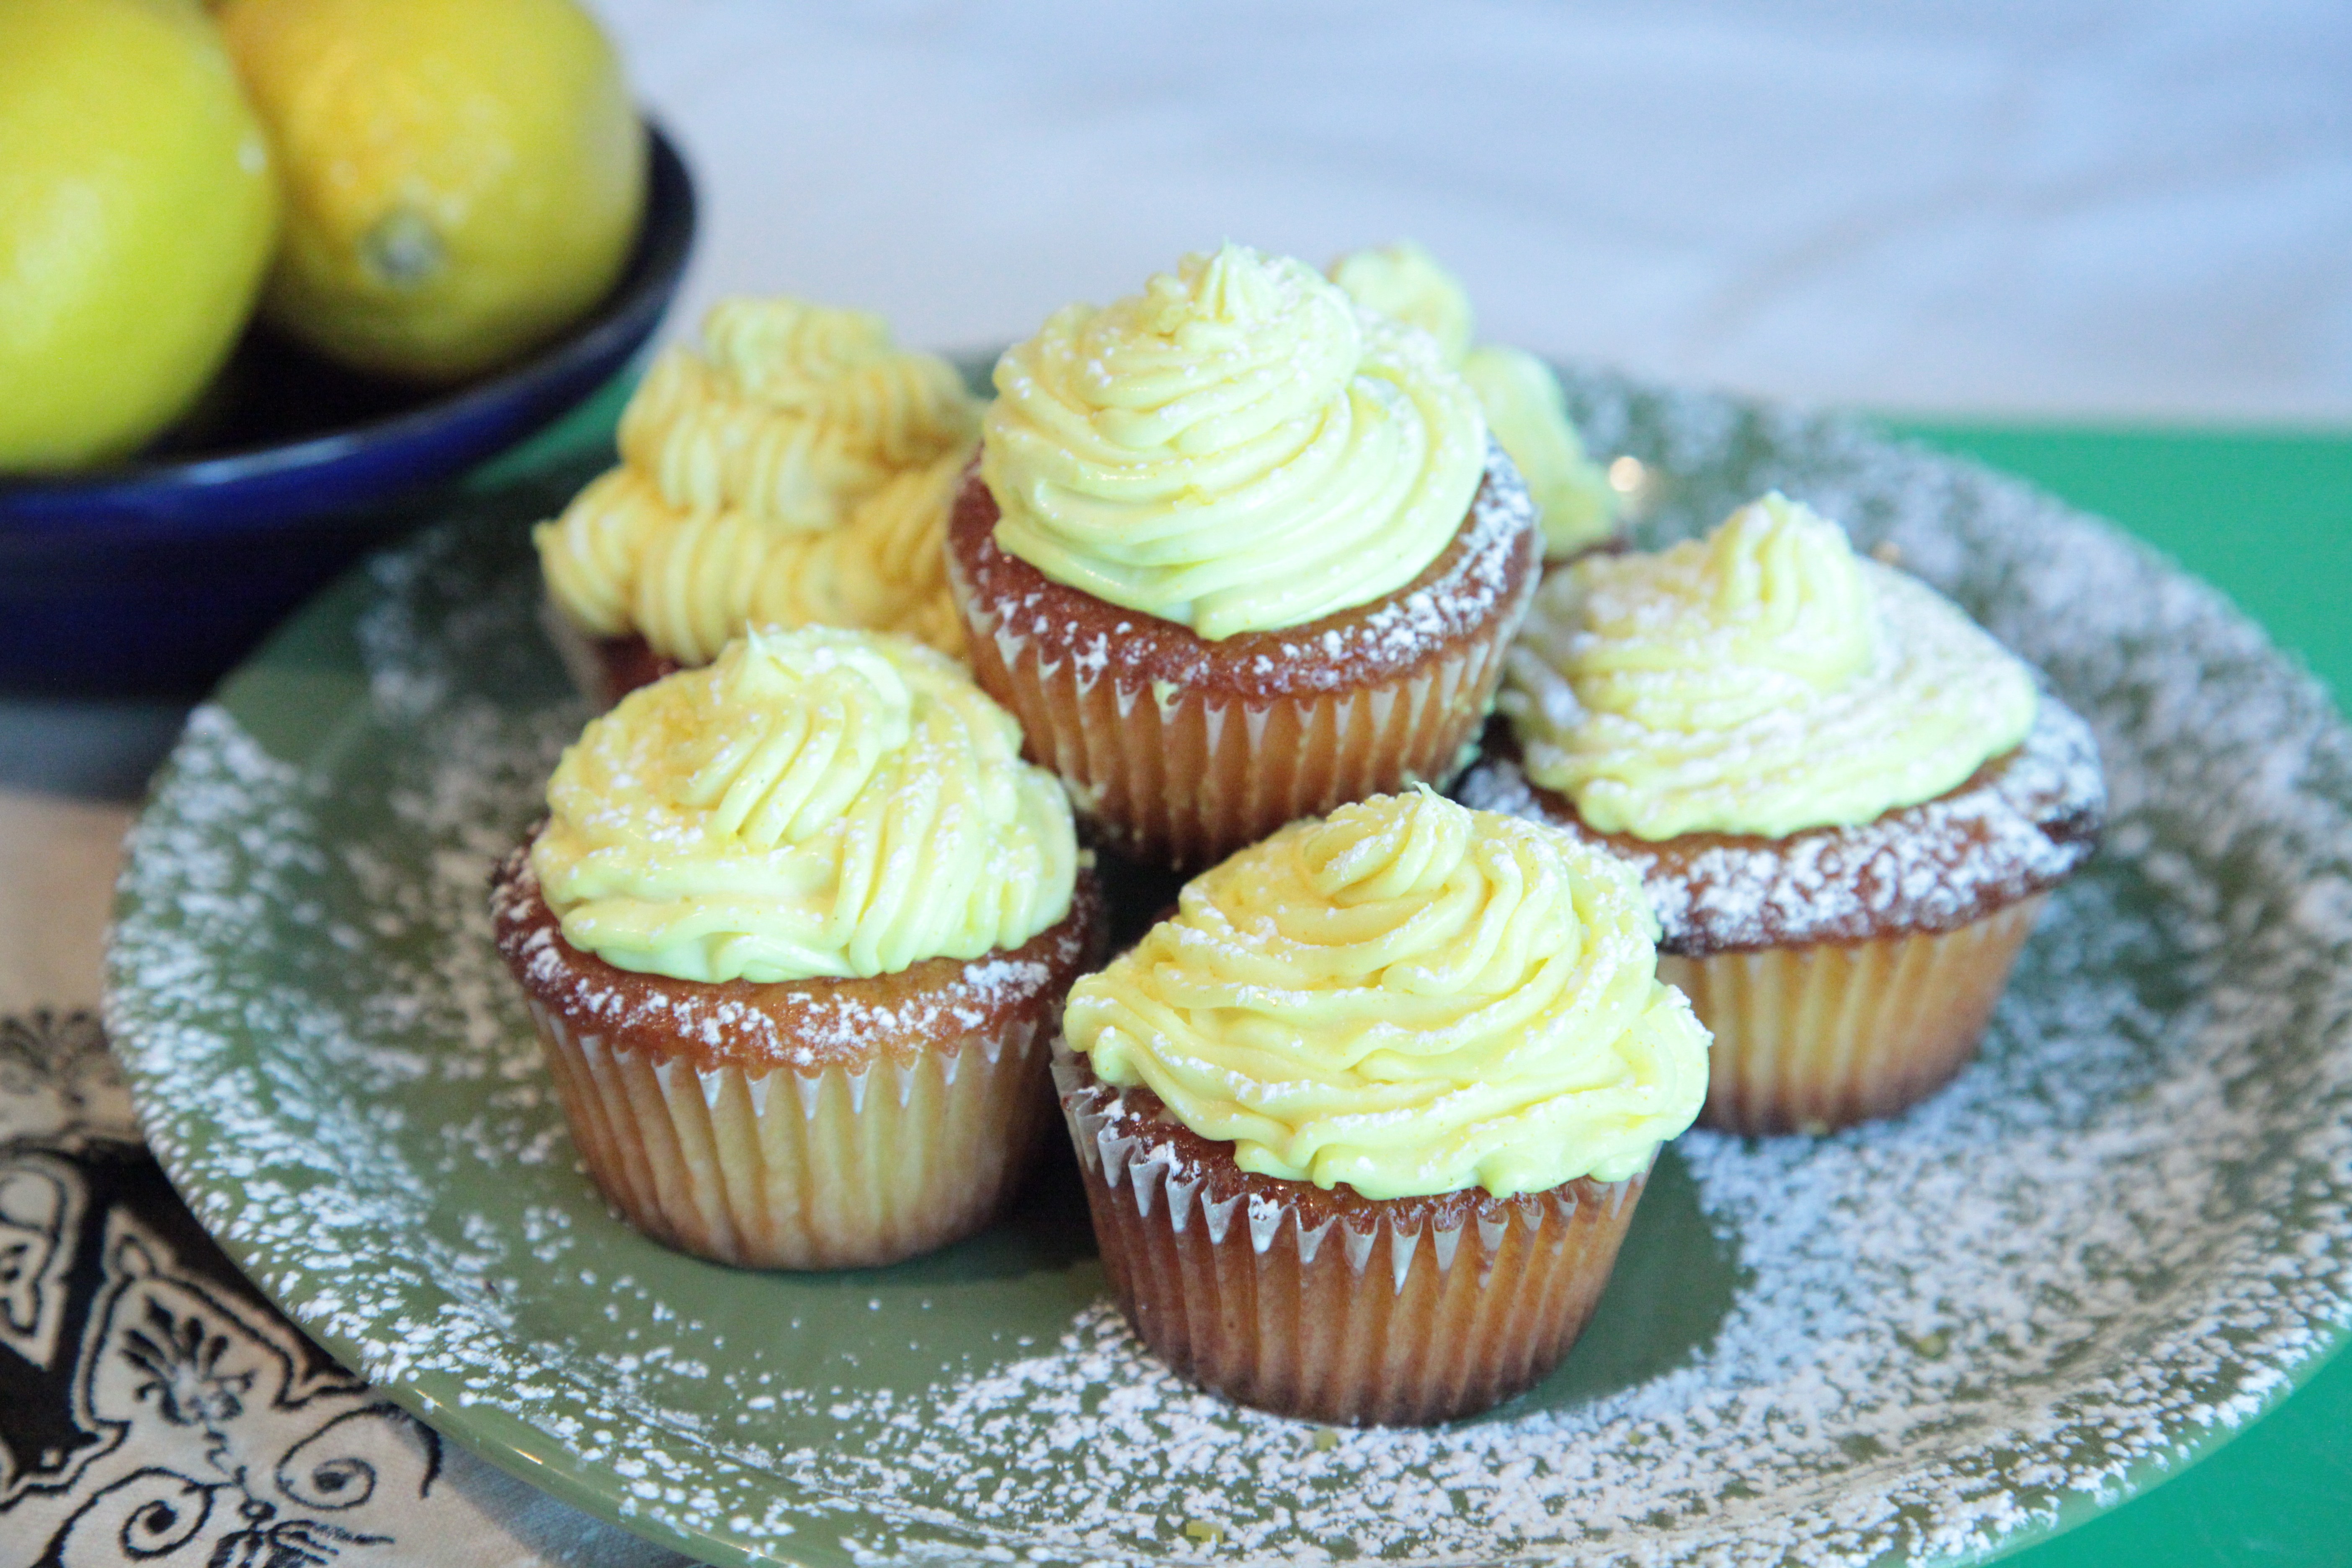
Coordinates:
x,y
136,216
463,178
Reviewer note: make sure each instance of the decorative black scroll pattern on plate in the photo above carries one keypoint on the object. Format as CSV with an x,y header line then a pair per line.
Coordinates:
x,y
152,1408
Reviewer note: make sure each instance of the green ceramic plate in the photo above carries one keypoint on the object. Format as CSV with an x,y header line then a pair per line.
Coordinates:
x,y
2122,1232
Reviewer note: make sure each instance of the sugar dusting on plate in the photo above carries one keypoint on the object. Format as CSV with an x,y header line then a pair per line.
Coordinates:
x,y
2127,1225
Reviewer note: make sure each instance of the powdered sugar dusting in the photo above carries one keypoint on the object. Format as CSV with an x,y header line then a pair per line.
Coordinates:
x,y
1397,633
2127,1224
803,1028
1930,867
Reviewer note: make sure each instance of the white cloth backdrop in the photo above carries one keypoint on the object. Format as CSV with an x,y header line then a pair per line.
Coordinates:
x,y
2103,208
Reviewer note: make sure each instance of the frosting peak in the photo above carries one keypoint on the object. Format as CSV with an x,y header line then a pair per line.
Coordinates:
x,y
1775,591
1763,680
1410,998
1362,857
1215,354
794,412
817,803
1235,287
1791,574
1234,449
818,716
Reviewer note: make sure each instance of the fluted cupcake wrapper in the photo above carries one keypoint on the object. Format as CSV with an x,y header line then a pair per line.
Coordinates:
x,y
1820,1037
1184,777
1380,1317
785,1169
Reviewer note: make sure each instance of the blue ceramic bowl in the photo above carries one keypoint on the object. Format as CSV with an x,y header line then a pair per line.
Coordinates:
x,y
154,576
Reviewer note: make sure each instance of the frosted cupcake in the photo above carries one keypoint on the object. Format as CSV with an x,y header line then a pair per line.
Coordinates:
x,y
795,472
1364,1124
795,935
1575,504
1846,800
1237,552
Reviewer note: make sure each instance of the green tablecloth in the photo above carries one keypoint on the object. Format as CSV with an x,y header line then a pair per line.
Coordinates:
x,y
2268,519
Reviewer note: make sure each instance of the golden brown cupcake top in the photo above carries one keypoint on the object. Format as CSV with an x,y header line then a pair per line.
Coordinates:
x,y
2022,823
806,1024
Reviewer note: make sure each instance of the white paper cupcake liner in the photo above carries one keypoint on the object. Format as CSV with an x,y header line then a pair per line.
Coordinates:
x,y
845,1167
1404,1312
1820,1037
1185,777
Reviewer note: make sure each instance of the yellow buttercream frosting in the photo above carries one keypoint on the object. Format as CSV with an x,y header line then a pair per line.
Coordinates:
x,y
817,803
589,557
1521,396
793,413
1406,282
1236,448
1410,998
795,471
1763,680
1575,504
705,577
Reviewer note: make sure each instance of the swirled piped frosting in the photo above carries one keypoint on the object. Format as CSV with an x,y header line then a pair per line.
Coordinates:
x,y
1410,998
1404,281
1236,448
797,472
817,803
1760,681
1525,410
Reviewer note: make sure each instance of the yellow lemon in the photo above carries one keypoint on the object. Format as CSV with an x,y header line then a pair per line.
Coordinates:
x,y
463,178
136,216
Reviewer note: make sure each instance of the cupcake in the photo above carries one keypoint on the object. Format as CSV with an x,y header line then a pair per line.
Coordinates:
x,y
1846,800
795,471
795,935
1362,1125
1237,552
1575,504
